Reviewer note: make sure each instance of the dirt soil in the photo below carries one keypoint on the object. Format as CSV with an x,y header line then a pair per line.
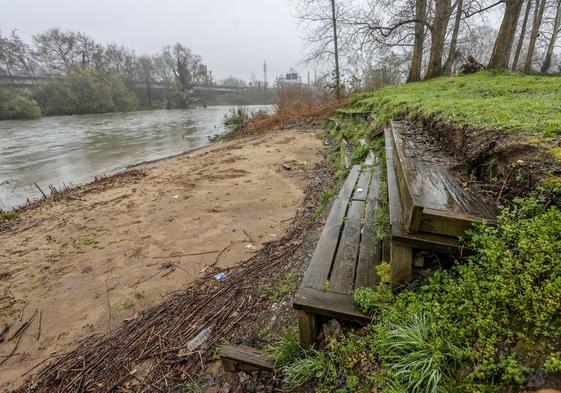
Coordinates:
x,y
504,165
83,265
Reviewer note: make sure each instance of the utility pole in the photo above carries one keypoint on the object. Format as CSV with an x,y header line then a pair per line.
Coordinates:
x,y
265,80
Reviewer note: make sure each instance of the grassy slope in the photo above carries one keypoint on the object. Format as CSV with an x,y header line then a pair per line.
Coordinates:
x,y
490,100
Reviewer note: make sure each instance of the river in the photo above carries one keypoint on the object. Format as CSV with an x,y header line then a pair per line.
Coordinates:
x,y
68,150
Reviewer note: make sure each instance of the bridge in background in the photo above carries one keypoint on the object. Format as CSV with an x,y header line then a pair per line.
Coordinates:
x,y
26,82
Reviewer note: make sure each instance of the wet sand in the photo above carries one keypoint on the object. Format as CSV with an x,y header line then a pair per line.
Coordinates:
x,y
86,264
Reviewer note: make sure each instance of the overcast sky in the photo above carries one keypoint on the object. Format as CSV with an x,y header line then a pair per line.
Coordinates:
x,y
233,37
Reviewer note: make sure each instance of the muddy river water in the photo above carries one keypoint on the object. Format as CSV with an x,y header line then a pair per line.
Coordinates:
x,y
74,149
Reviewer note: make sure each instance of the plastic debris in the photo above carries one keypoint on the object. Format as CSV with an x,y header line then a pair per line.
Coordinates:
x,y
359,190
220,276
287,167
197,341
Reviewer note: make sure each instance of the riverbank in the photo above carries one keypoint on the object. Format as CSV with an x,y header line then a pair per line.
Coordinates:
x,y
86,263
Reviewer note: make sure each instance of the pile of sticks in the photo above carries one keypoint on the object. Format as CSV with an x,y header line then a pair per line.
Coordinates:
x,y
154,352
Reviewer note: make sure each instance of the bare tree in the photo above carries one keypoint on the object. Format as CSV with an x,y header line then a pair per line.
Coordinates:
x,y
57,50
16,58
418,43
452,51
320,20
505,38
438,36
522,34
187,70
147,74
538,15
556,28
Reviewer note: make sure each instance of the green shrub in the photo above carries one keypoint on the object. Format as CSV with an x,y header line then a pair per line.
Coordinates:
x,y
85,90
482,326
553,363
13,106
372,300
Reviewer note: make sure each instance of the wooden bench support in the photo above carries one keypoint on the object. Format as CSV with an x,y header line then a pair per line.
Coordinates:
x,y
402,263
308,328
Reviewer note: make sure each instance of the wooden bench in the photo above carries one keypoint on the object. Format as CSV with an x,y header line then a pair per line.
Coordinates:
x,y
345,255
429,208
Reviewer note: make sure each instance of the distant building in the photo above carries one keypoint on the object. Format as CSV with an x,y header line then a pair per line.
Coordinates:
x,y
290,78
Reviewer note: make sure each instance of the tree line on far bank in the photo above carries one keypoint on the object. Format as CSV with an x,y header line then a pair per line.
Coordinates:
x,y
378,42
67,72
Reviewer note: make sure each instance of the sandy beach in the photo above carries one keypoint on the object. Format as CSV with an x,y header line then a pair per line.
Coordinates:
x,y
86,264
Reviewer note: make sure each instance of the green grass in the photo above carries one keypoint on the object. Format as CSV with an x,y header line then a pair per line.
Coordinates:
x,y
8,216
317,366
281,288
324,199
489,100
286,351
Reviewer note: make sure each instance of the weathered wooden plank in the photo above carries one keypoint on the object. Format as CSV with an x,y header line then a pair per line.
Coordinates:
x,y
370,253
433,199
370,256
330,304
320,264
449,224
242,357
401,266
361,190
404,172
344,266
349,185
374,190
394,199
399,234
428,241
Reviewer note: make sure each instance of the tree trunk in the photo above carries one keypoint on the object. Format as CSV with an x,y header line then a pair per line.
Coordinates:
x,y
438,36
336,48
454,39
555,32
538,15
417,57
503,44
522,34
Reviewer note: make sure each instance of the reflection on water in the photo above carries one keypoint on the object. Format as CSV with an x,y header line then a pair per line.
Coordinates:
x,y
73,149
